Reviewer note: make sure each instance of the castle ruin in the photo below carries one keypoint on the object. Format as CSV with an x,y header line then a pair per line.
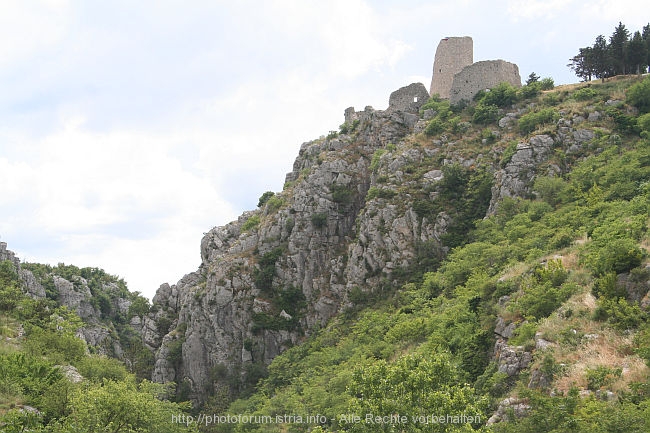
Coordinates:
x,y
481,76
452,55
456,77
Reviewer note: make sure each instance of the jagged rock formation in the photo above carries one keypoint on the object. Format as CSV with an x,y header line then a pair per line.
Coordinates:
x,y
348,223
75,293
32,286
317,242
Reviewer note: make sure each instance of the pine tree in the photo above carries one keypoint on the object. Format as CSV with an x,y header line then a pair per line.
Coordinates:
x,y
532,78
600,60
637,54
646,37
618,48
582,64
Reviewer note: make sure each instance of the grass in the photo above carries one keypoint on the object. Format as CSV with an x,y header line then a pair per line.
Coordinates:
x,y
593,344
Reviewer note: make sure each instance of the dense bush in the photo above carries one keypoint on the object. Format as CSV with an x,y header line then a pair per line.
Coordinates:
x,y
485,113
252,222
529,122
638,95
264,198
384,193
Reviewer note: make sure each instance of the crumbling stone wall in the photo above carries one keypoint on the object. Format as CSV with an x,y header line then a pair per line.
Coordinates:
x,y
409,98
452,55
480,76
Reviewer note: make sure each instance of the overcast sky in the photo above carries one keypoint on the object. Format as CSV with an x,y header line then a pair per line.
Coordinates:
x,y
130,128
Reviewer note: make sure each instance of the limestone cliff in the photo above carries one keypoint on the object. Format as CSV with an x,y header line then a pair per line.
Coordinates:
x,y
271,277
360,210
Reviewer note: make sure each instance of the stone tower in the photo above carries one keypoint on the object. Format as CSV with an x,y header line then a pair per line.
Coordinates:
x,y
452,55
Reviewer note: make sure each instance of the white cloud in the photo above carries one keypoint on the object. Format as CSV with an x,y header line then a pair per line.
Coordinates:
x,y
127,130
118,200
536,9
26,28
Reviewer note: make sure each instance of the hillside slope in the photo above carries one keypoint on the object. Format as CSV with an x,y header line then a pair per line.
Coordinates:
x,y
535,322
540,197
425,268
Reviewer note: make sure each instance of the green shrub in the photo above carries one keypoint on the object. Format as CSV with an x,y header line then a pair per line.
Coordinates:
x,y
341,194
503,95
524,335
550,189
485,113
384,193
252,222
601,377
435,126
319,220
584,94
529,122
264,275
274,203
264,198
642,343
638,95
530,90
97,368
547,83
621,314
376,159
616,255
644,122
625,123
551,99
508,153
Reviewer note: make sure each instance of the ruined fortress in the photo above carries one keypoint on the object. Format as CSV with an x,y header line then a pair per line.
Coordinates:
x,y
455,77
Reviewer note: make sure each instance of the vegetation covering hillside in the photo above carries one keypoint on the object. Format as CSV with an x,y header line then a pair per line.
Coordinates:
x,y
565,268
529,314
52,380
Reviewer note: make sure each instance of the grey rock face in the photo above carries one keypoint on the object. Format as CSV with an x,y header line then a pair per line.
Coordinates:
x,y
512,360
516,178
518,407
332,239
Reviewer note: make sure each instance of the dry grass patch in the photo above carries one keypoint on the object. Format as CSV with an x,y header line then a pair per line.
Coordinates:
x,y
584,345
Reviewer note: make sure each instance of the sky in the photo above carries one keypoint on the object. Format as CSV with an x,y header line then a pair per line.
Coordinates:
x,y
129,129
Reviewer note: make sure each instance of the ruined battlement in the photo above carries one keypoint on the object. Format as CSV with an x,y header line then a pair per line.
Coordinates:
x,y
408,98
452,55
480,76
456,77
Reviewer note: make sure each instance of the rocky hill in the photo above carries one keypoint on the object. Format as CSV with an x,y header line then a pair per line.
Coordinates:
x,y
364,211
485,260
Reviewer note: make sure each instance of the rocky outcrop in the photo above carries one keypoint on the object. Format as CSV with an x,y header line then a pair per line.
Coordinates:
x,y
511,405
511,359
30,284
515,179
271,277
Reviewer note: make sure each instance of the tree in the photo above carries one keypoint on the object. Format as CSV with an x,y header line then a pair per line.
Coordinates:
x,y
582,64
618,48
412,387
637,54
532,78
600,62
124,406
646,37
